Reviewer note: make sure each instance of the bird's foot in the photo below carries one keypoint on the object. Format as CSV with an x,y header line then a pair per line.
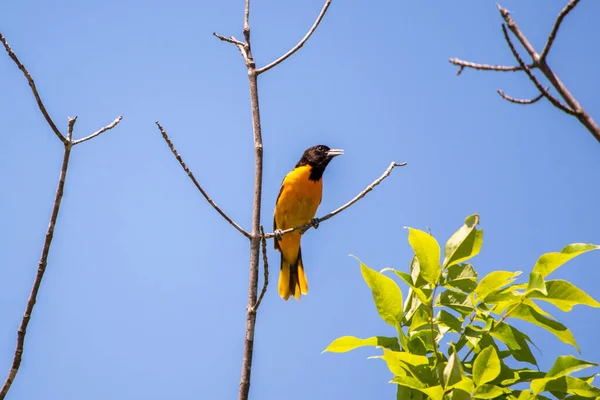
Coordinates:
x,y
278,233
315,223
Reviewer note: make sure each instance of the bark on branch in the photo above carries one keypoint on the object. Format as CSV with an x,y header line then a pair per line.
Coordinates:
x,y
539,62
359,196
193,178
68,143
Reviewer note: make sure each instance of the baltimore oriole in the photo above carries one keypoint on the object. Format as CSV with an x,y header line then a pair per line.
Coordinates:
x,y
296,205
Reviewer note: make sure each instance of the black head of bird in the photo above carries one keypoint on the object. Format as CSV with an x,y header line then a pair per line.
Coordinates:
x,y
318,157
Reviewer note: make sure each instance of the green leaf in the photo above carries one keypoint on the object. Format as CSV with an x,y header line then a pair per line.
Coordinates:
x,y
419,319
565,295
551,261
464,243
536,284
445,318
486,367
494,281
408,280
488,392
403,393
453,372
427,251
565,384
457,301
434,392
462,276
386,295
527,313
515,340
347,343
566,365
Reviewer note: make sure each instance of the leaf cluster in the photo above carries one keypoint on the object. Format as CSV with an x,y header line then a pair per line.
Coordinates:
x,y
483,355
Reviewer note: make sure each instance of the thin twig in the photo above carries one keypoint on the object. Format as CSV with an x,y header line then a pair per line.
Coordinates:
x,y
40,104
359,196
555,102
100,131
521,101
72,121
539,61
40,272
265,267
300,44
484,67
191,175
571,5
230,39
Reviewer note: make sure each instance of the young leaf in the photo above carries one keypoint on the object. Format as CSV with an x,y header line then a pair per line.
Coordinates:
x,y
565,384
515,340
434,392
457,301
445,318
408,280
527,313
566,365
462,276
347,343
386,295
488,392
494,281
453,372
486,367
536,284
465,243
427,251
565,295
551,261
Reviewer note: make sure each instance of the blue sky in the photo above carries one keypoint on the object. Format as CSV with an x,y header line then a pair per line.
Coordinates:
x,y
145,291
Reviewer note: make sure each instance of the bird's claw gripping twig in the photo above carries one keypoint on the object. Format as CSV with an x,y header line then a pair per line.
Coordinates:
x,y
315,223
278,233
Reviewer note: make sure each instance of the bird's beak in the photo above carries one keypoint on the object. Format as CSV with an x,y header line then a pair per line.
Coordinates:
x,y
335,152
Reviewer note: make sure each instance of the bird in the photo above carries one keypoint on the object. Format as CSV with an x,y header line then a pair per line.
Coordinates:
x,y
296,205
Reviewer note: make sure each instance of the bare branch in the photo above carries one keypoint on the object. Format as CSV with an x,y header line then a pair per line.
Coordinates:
x,y
555,102
571,5
512,25
191,175
40,104
521,101
359,196
230,39
41,269
484,67
263,241
72,121
100,131
300,44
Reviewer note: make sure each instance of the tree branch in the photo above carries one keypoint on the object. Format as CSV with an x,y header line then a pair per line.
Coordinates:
x,y
191,175
571,5
555,102
300,44
484,67
41,269
99,132
266,269
359,196
572,106
520,101
33,89
230,39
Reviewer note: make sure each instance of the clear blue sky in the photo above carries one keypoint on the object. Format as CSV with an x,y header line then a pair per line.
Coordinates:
x,y
146,287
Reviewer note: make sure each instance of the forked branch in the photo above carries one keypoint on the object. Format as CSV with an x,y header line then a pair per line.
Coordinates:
x,y
539,61
68,146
